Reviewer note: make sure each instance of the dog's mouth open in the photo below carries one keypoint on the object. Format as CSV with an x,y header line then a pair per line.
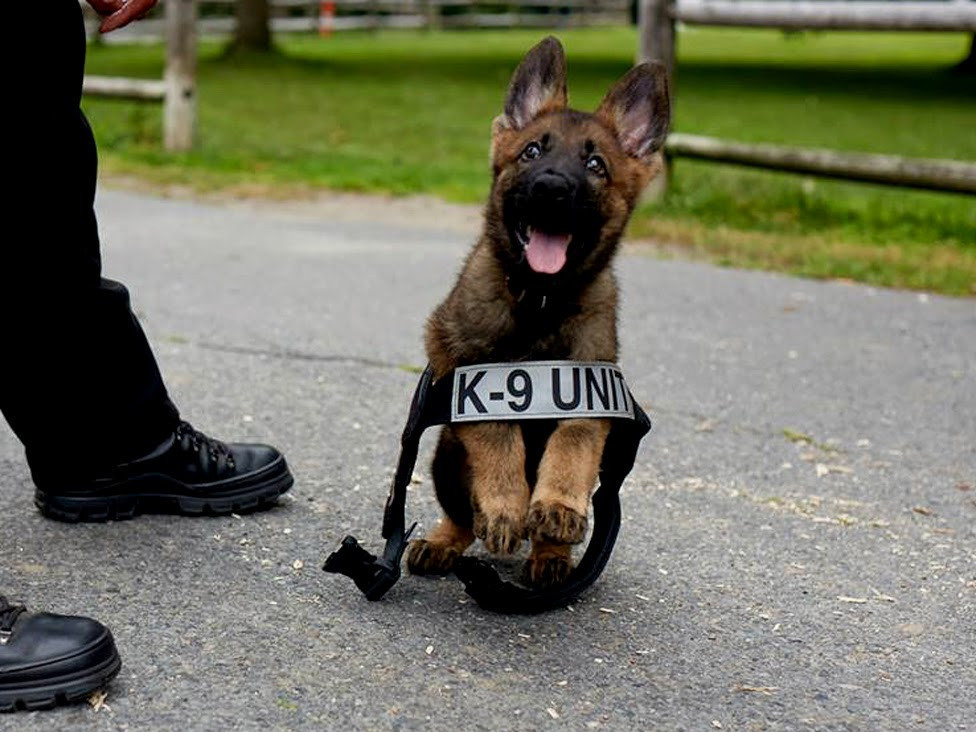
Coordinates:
x,y
545,251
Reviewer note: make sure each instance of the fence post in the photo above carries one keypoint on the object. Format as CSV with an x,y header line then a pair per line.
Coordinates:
x,y
179,107
432,15
655,22
656,29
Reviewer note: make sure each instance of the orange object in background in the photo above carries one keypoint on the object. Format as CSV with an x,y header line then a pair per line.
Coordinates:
x,y
326,17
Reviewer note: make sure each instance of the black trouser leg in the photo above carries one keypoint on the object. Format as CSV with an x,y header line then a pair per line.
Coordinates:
x,y
78,381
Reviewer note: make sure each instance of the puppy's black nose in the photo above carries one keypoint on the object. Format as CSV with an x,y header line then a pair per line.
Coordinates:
x,y
552,187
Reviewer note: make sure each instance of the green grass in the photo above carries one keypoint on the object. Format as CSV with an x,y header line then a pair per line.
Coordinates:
x,y
409,112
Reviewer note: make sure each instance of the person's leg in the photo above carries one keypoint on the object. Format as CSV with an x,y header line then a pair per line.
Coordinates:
x,y
80,385
81,388
78,381
49,232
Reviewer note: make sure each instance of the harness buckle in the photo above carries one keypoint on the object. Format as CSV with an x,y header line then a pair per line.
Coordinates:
x,y
373,575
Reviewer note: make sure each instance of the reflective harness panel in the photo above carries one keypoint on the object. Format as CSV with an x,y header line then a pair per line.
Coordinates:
x,y
511,391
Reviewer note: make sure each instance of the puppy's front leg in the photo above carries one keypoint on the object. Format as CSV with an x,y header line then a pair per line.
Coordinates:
x,y
567,475
499,490
437,553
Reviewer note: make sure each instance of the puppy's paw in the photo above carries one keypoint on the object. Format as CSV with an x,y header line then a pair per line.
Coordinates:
x,y
501,534
425,557
545,571
556,523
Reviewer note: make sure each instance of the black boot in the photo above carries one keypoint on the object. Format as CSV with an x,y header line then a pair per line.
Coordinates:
x,y
189,474
49,659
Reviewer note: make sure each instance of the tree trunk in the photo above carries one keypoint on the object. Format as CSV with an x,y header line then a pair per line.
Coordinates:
x,y
253,32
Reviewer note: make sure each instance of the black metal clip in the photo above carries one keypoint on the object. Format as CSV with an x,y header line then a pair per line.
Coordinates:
x,y
373,575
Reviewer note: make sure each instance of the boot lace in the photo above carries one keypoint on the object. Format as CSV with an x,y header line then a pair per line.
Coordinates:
x,y
8,616
199,441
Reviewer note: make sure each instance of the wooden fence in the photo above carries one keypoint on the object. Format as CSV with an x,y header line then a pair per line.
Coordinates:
x,y
657,19
177,89
184,20
216,17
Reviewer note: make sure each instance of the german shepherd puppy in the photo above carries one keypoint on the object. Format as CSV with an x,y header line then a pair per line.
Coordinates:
x,y
538,286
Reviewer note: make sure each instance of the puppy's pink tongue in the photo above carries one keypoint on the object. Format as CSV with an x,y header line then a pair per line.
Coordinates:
x,y
547,252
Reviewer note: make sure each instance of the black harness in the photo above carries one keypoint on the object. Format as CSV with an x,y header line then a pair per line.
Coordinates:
x,y
432,405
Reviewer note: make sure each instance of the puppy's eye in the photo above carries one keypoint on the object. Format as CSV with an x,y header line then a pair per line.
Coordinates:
x,y
532,151
595,165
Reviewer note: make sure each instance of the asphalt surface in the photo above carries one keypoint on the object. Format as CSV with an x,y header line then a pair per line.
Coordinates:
x,y
799,543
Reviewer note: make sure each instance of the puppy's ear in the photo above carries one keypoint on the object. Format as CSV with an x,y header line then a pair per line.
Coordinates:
x,y
538,86
638,110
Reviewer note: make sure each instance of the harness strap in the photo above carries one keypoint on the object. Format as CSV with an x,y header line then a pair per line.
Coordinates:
x,y
431,406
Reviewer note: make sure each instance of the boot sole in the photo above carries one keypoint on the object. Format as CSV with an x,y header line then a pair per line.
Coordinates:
x,y
64,689
160,494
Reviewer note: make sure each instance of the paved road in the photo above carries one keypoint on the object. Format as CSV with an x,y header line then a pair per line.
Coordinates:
x,y
799,543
